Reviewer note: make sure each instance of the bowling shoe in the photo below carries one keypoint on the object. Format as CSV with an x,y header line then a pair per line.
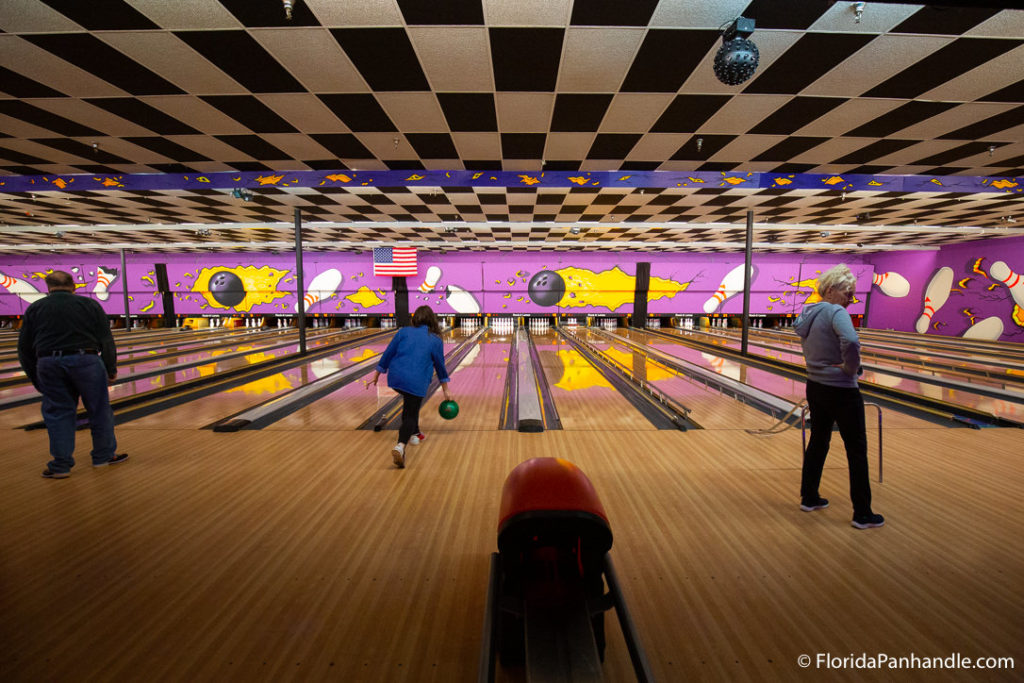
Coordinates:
x,y
868,521
398,455
50,474
114,459
812,505
417,438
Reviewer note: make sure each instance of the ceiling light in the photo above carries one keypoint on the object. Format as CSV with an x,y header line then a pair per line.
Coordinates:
x,y
736,61
858,11
288,8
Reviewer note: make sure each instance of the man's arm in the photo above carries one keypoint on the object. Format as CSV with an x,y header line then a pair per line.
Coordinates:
x,y
27,349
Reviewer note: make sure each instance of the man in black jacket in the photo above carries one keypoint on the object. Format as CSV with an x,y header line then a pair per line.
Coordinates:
x,y
67,351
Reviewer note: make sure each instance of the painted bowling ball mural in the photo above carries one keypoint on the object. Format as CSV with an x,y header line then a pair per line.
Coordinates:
x,y
241,287
227,288
546,288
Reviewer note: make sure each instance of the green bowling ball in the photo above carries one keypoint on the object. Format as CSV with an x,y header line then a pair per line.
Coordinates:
x,y
448,409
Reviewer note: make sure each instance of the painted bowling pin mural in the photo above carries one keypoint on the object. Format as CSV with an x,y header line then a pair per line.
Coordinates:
x,y
430,280
21,289
460,300
321,287
1013,281
732,283
935,296
989,329
104,278
892,284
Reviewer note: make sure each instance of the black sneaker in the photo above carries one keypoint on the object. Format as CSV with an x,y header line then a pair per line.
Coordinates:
x,y
812,505
114,459
869,521
50,474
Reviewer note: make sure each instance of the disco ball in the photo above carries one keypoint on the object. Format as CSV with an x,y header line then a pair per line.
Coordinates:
x,y
736,61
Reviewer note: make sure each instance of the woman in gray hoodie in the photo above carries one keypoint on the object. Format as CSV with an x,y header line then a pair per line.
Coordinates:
x,y
832,354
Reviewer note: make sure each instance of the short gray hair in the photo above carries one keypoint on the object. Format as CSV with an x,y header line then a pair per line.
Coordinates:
x,y
838,278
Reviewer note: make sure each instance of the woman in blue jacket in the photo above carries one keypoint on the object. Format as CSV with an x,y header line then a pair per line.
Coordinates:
x,y
409,361
832,354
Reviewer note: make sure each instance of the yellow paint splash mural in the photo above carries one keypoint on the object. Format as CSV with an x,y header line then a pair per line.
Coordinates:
x,y
365,297
609,288
246,286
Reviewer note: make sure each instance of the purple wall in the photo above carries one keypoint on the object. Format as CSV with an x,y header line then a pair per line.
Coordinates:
x,y
975,295
488,282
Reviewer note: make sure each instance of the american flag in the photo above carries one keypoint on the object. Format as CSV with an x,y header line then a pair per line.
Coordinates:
x,y
400,261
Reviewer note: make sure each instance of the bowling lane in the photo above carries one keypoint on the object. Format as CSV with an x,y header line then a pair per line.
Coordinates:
x,y
478,386
30,413
1008,407
710,409
585,400
780,386
203,411
352,404
127,370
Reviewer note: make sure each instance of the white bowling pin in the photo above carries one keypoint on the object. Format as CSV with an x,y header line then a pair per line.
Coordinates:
x,y
104,278
460,300
935,295
1014,281
433,275
20,288
989,329
731,284
892,284
322,286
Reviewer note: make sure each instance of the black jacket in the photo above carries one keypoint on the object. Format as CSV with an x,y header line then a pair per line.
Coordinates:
x,y
62,321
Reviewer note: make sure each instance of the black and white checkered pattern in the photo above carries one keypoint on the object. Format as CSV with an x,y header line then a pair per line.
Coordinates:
x,y
147,86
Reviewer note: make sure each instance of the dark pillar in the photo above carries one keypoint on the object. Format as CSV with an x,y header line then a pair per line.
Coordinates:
x,y
164,288
124,288
748,258
401,289
300,290
643,284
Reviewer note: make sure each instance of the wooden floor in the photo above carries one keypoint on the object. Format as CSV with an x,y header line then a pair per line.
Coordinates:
x,y
303,555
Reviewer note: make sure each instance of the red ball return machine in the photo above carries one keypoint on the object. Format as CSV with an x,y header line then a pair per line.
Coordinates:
x,y
547,594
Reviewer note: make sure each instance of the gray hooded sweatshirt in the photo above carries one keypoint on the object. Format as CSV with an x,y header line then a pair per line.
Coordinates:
x,y
831,346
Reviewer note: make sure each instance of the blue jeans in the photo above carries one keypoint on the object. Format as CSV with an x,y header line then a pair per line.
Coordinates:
x,y
62,380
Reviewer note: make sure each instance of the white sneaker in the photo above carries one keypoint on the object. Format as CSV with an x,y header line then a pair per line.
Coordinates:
x,y
398,455
415,439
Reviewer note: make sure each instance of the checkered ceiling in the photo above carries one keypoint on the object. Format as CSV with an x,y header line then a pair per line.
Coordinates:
x,y
205,86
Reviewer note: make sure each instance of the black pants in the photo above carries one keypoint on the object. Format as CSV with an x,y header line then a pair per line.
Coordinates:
x,y
410,416
845,407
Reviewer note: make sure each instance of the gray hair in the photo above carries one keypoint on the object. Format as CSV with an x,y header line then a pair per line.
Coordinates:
x,y
59,280
838,278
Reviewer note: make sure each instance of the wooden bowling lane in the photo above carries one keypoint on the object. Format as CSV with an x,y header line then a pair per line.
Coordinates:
x,y
30,413
349,406
783,387
1008,407
585,400
710,409
210,409
988,371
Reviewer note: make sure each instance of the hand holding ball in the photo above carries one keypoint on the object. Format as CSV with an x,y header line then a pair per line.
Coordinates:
x,y
448,409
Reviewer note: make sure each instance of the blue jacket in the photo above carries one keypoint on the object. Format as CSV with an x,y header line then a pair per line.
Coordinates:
x,y
411,359
830,342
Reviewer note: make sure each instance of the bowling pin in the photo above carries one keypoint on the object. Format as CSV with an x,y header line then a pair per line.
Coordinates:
x,y
433,275
322,286
892,284
460,300
20,288
104,278
731,284
989,329
1014,281
935,295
